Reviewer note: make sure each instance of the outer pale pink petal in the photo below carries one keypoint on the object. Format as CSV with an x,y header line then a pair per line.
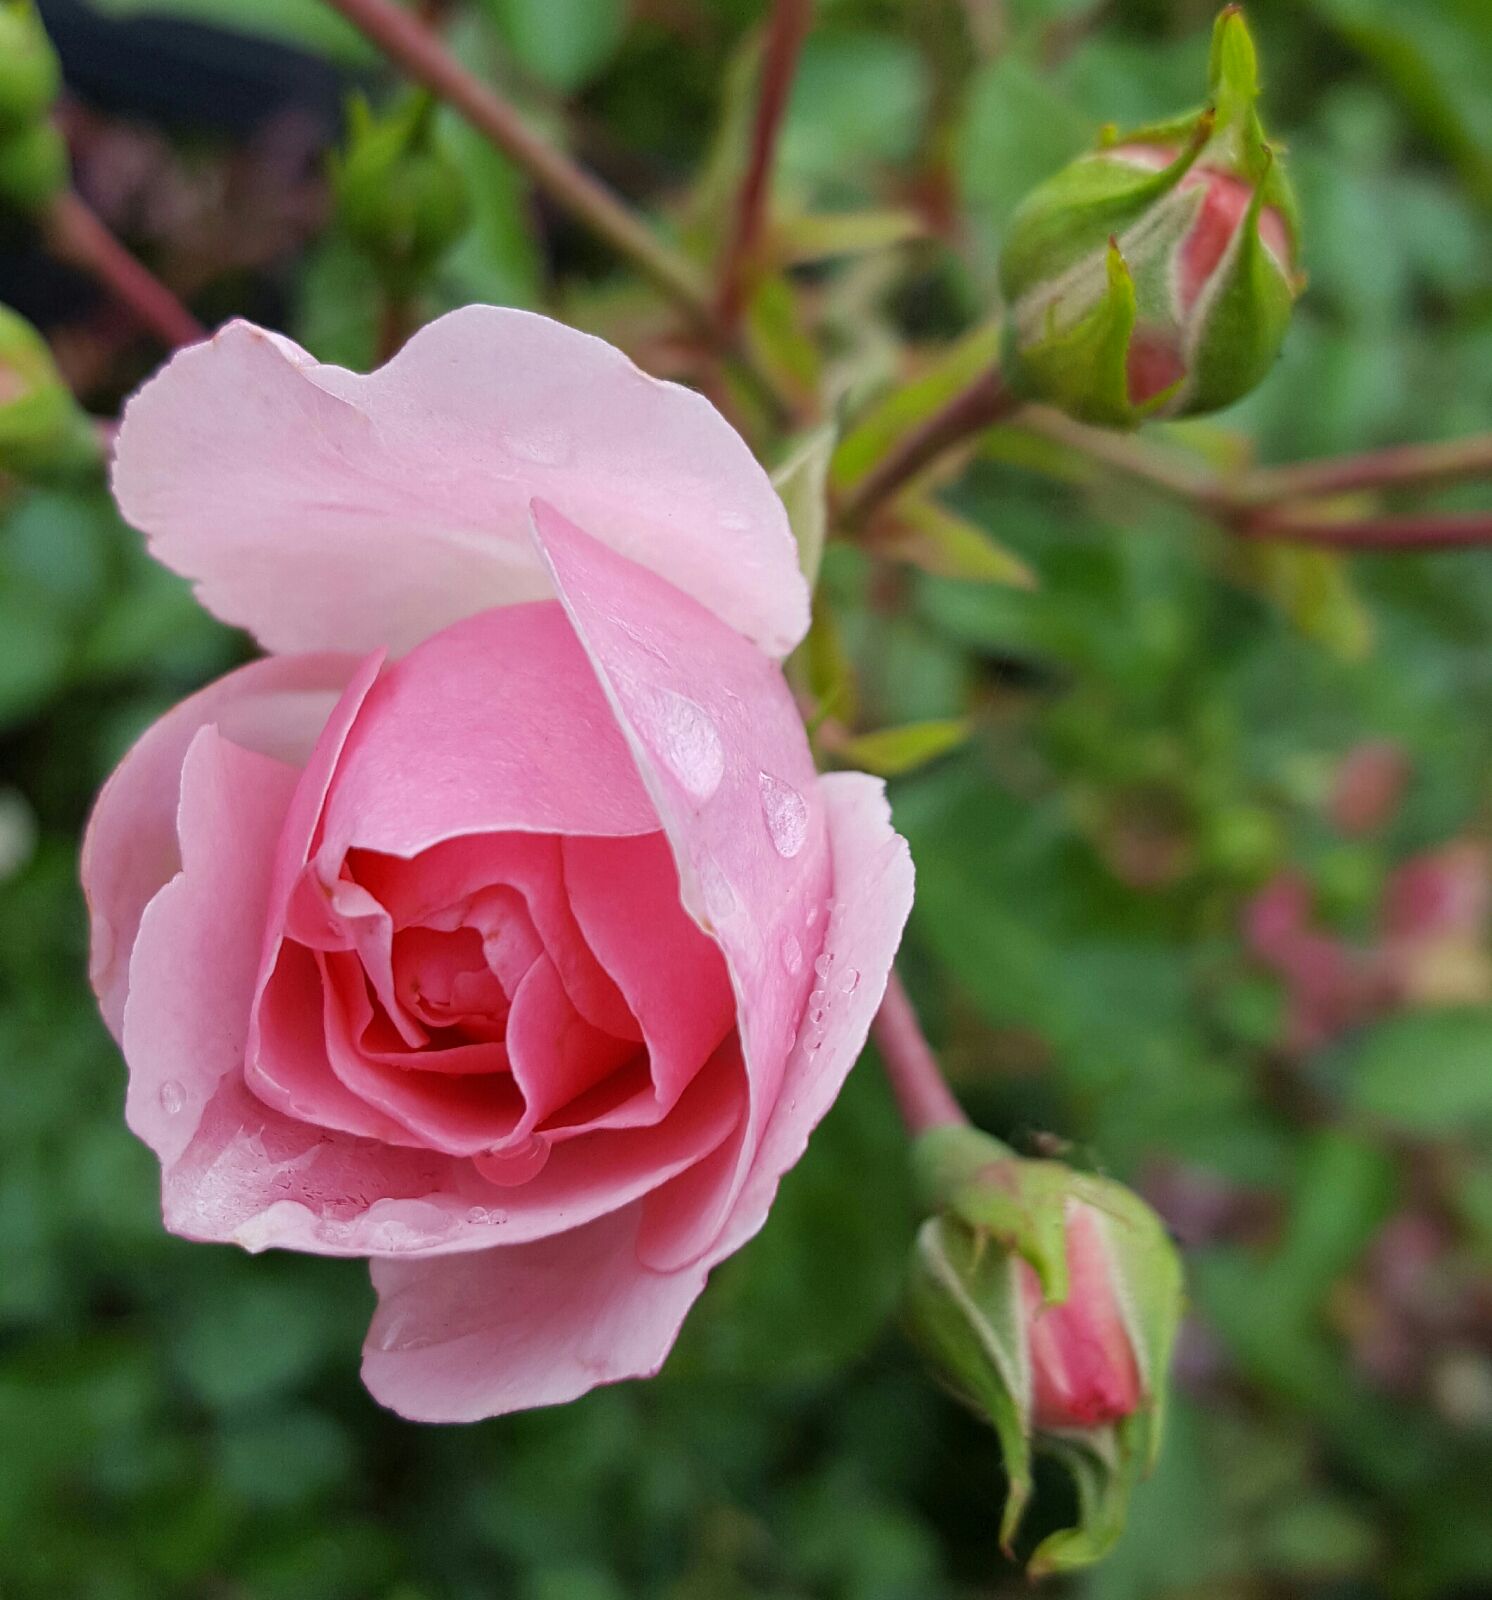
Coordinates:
x,y
873,881
721,748
322,509
465,1337
130,851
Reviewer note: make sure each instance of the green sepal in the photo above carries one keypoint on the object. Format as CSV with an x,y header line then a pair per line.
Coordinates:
x,y
1244,325
1083,370
1082,207
963,1308
34,168
400,197
30,74
45,436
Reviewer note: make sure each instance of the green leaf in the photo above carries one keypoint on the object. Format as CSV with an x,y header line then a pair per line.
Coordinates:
x,y
1428,1072
823,236
803,483
307,24
565,43
892,751
937,540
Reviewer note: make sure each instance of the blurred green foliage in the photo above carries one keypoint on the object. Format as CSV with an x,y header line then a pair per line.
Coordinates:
x,y
1156,733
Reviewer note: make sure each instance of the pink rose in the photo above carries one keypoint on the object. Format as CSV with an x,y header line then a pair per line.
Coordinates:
x,y
496,926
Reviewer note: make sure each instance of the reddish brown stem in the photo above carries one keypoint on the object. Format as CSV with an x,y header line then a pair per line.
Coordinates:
x,y
1424,531
922,1093
981,405
1417,464
414,46
791,20
76,235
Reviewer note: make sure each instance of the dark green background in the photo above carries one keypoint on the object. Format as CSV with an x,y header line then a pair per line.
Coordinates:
x,y
185,1421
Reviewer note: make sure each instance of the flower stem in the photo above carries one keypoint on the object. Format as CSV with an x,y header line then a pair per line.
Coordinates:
x,y
922,1093
981,405
75,234
1425,531
790,23
414,46
1418,464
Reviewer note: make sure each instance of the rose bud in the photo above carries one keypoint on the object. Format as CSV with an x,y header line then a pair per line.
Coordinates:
x,y
29,72
1155,277
495,927
1048,1300
400,197
44,433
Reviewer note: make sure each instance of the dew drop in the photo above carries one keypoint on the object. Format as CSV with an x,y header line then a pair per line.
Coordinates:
x,y
479,1216
823,964
685,737
792,954
720,898
786,814
173,1097
850,981
510,1167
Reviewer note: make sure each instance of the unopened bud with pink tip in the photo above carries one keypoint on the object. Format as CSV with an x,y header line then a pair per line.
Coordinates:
x,y
1048,1301
1156,276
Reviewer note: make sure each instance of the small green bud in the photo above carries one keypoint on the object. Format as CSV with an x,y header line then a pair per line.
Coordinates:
x,y
33,168
1048,1301
1156,276
400,198
44,433
29,72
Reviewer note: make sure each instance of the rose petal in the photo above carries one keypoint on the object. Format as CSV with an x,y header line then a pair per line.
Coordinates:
x,y
721,747
276,707
399,501
496,725
625,896
458,1339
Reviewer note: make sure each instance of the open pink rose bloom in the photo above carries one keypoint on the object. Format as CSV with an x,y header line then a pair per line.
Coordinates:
x,y
496,926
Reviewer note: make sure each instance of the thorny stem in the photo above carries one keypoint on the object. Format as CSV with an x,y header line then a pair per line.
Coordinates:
x,y
1264,503
75,234
982,404
922,1093
414,46
790,23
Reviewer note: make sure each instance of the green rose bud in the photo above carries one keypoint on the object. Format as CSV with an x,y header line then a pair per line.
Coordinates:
x,y
1155,277
44,433
29,73
399,196
33,167
1048,1301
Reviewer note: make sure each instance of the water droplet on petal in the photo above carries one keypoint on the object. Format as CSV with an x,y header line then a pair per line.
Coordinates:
x,y
823,964
792,955
720,898
685,737
479,1216
510,1167
786,814
173,1097
850,981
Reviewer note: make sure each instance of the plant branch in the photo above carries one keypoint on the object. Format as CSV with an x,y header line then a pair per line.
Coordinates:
x,y
414,46
1416,464
922,1092
1425,531
981,405
75,234
790,23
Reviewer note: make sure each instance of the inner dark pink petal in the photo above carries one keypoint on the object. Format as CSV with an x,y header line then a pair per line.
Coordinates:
x,y
624,894
465,1105
444,979
451,873
557,1055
